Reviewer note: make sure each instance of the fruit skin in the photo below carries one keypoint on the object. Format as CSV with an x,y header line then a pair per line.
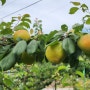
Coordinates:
x,y
55,53
27,59
22,34
84,43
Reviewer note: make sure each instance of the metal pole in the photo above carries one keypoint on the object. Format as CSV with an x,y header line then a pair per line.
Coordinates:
x,y
55,85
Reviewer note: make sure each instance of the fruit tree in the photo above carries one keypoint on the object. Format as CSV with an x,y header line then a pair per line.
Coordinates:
x,y
32,60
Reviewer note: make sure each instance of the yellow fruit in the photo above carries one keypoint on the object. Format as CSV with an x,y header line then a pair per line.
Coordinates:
x,y
27,59
55,53
22,34
84,43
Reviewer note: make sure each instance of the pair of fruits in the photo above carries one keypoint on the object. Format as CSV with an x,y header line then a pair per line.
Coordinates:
x,y
56,54
53,53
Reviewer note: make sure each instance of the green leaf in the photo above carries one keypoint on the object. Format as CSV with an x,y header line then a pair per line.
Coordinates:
x,y
1,87
26,20
42,37
7,62
25,24
73,10
88,21
3,25
26,16
66,84
84,7
20,47
78,27
32,47
85,18
64,27
41,45
3,2
1,75
4,50
68,46
8,82
1,78
40,21
76,3
6,31
60,33
5,28
53,43
79,73
51,35
13,20
62,68
74,37
35,25
19,27
8,24
40,26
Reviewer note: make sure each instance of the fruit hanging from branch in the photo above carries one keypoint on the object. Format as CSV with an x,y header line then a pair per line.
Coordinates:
x,y
21,34
55,53
27,59
84,43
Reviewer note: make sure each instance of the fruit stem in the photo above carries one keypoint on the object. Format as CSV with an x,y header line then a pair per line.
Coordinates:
x,y
55,85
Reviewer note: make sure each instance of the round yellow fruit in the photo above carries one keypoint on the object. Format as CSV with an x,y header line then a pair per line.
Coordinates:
x,y
55,53
22,34
27,59
84,43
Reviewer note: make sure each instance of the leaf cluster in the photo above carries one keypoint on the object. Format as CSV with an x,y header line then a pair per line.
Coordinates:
x,y
3,1
84,8
21,22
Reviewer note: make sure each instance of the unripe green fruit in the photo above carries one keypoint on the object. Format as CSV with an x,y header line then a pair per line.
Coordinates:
x,y
27,59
